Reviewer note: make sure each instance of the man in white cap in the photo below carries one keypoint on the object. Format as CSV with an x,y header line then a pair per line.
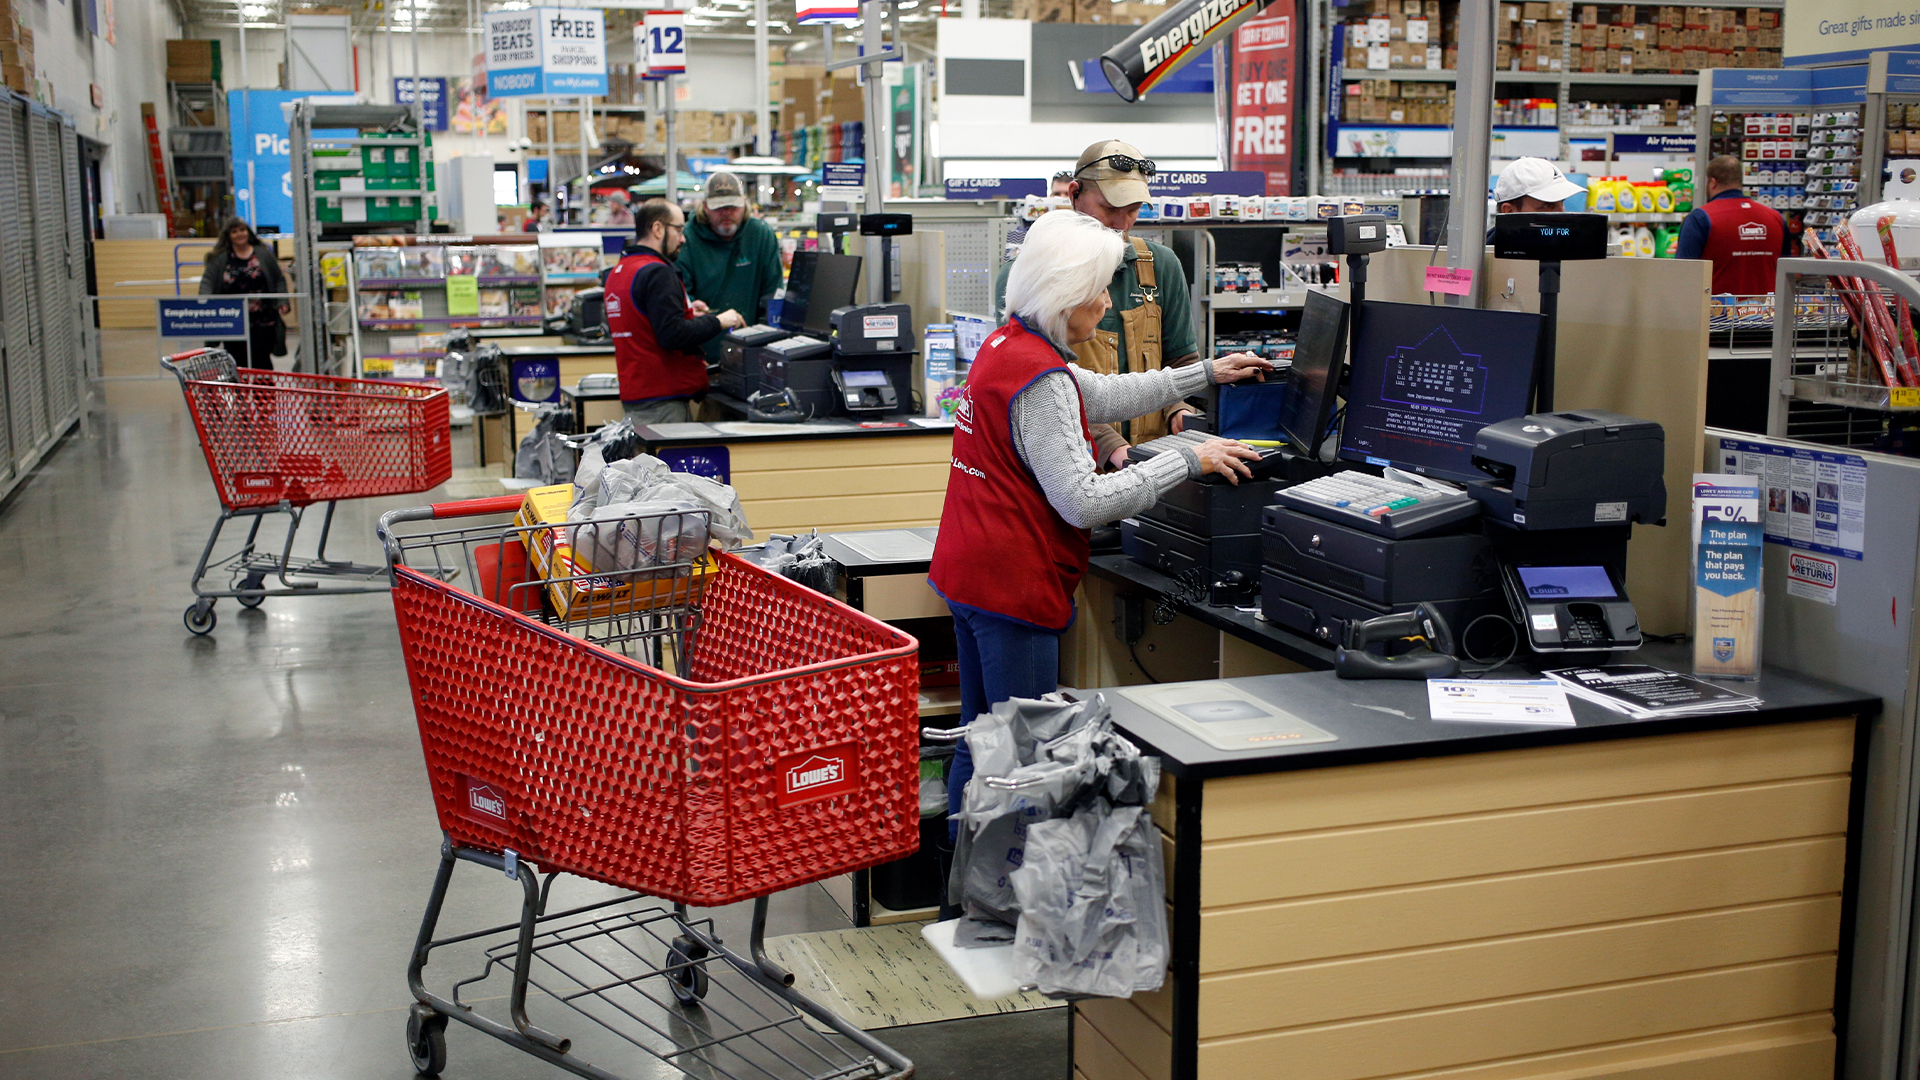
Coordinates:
x,y
731,260
1533,185
1151,323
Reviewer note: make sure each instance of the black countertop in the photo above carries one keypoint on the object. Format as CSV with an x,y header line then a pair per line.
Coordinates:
x,y
1381,720
1245,625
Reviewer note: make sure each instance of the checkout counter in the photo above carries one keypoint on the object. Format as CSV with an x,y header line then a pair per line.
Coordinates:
x,y
1644,898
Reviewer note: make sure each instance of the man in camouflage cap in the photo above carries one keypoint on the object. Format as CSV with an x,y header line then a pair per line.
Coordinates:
x,y
731,259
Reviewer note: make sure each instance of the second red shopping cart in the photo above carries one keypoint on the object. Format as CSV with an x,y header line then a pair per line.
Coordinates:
x,y
783,748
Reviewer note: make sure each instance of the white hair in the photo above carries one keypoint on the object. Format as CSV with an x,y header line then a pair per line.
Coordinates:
x,y
1068,260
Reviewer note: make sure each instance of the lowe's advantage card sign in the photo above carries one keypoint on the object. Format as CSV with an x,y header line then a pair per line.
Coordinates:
x,y
542,51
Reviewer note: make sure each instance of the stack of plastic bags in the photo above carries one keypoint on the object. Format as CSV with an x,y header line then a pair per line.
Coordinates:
x,y
1056,852
638,512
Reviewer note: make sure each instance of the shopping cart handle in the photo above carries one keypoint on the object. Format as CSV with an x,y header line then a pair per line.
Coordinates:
x,y
498,504
179,356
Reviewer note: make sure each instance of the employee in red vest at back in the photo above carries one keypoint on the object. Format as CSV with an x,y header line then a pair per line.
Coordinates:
x,y
1743,238
657,331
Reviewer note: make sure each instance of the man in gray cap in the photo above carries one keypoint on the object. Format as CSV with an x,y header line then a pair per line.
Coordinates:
x,y
731,260
1151,323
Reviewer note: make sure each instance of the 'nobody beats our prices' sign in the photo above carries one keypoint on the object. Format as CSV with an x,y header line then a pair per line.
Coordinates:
x,y
542,51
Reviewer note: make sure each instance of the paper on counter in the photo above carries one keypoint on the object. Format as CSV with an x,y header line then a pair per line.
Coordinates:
x,y
1500,701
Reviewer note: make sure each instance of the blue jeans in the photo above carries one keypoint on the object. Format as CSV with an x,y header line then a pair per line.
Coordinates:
x,y
999,659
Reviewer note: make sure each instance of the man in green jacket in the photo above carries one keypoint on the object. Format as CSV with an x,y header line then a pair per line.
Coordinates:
x,y
731,260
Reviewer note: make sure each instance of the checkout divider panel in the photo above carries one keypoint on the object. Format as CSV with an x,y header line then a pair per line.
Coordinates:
x,y
1472,914
841,485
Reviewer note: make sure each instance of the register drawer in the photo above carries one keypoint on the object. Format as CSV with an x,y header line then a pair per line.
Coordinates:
x,y
1179,554
1308,609
1375,568
1214,509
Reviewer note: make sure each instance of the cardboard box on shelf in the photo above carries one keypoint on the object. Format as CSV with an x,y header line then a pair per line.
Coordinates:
x,y
12,52
16,78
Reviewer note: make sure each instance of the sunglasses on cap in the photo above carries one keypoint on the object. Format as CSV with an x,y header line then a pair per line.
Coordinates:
x,y
1122,163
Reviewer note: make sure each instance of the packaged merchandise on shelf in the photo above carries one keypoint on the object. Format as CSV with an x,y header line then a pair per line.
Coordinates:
x,y
374,304
462,260
494,304
517,260
423,262
406,304
377,264
524,301
560,298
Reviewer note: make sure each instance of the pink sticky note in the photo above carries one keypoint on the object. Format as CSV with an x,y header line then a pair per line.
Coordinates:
x,y
1454,281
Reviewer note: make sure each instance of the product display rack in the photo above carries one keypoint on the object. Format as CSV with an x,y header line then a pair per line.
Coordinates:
x,y
569,263
391,190
1564,83
401,306
46,318
1798,134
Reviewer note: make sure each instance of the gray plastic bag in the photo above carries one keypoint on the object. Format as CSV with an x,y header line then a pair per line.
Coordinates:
x,y
1056,853
615,488
1092,905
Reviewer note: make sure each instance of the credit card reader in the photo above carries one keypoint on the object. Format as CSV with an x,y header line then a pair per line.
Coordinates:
x,y
1571,608
865,390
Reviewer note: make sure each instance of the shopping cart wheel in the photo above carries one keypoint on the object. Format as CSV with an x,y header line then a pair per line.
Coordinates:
x,y
686,975
248,598
200,617
426,1040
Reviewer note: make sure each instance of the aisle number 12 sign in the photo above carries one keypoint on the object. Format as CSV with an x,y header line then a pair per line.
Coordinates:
x,y
661,42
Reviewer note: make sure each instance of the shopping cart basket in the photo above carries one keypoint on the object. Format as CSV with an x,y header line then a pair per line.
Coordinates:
x,y
781,750
277,442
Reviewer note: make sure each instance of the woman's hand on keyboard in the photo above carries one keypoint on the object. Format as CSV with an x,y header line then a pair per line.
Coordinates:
x,y
1226,457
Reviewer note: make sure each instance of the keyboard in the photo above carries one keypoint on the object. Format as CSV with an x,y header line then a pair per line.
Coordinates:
x,y
1374,504
757,334
1271,460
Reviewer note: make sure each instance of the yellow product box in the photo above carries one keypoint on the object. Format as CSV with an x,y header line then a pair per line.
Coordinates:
x,y
544,515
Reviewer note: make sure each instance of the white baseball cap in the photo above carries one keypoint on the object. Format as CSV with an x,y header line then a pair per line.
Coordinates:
x,y
1534,176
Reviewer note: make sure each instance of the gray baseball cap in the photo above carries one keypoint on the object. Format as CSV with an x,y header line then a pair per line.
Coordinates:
x,y
724,190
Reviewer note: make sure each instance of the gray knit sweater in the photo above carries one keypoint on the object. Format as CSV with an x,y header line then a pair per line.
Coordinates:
x,y
1046,433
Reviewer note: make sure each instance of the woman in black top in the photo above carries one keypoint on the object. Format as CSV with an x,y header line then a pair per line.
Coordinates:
x,y
241,263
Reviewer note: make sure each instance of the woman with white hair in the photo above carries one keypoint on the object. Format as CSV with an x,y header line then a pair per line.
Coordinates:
x,y
1024,489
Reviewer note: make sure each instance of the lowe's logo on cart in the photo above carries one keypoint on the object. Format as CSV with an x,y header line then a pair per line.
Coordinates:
x,y
817,774
482,799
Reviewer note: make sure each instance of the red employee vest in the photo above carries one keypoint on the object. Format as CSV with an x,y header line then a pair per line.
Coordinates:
x,y
1743,242
1002,548
647,371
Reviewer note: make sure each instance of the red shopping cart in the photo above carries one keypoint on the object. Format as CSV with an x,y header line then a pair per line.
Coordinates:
x,y
277,442
781,748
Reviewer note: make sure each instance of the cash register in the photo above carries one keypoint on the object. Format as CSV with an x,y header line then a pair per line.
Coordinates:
x,y
1562,491
794,355
873,350
1211,528
1399,529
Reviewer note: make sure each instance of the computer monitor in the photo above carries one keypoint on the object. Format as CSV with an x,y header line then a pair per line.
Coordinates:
x,y
818,282
1425,379
1319,350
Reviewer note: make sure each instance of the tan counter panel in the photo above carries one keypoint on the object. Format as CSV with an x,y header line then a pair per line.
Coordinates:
x,y
1382,856
797,483
1389,1045
1424,915
1436,787
753,456
1248,1002
1113,1040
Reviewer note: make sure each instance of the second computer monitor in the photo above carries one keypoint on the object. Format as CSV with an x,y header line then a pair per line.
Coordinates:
x,y
1318,352
1426,379
819,282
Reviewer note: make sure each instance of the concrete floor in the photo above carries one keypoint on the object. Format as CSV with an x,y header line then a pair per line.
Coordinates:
x,y
217,849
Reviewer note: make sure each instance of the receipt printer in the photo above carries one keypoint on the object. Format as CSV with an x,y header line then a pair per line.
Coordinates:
x,y
1572,470
863,329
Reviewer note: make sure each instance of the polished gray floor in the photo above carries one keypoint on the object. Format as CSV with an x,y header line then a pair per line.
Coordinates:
x,y
214,851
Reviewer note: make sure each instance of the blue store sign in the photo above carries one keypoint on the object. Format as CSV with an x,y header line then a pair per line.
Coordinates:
x,y
259,132
995,187
205,318
433,100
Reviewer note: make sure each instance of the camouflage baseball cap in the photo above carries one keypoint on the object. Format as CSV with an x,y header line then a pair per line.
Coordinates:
x,y
1123,181
724,190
